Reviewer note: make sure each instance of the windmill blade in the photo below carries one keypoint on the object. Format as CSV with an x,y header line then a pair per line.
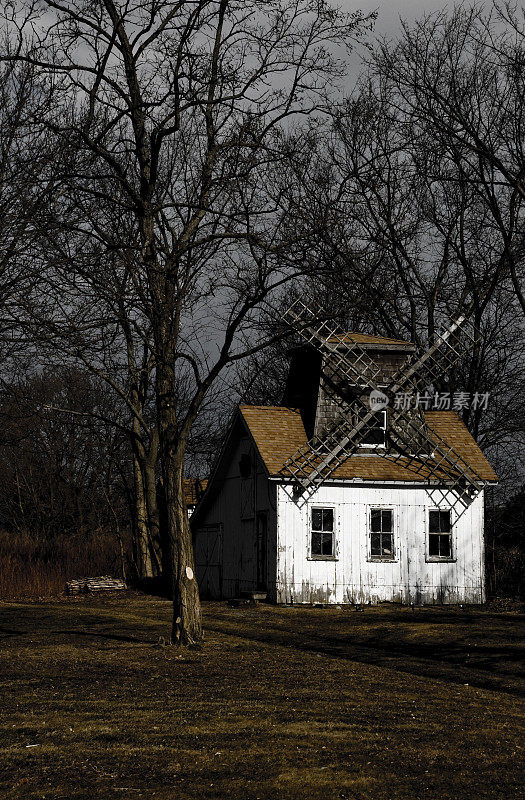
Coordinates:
x,y
441,459
443,354
440,358
325,337
319,458
316,461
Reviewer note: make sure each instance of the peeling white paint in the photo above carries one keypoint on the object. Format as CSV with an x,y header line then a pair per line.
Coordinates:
x,y
354,578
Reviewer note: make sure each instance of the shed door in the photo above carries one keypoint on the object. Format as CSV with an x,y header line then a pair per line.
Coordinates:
x,y
262,546
208,561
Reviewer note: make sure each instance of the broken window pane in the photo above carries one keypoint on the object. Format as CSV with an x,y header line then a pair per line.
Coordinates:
x,y
328,519
386,544
375,519
317,519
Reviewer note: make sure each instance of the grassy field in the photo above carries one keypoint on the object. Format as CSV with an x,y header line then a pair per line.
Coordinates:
x,y
383,704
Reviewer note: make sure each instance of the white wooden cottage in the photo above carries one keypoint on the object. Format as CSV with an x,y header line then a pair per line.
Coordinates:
x,y
374,531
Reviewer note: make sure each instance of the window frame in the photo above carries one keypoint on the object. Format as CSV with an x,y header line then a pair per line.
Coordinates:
x,y
335,546
440,559
384,429
395,550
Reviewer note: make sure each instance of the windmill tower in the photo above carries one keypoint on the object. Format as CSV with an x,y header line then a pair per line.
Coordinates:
x,y
346,387
324,395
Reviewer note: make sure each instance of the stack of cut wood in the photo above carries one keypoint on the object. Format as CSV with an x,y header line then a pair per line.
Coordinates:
x,y
105,583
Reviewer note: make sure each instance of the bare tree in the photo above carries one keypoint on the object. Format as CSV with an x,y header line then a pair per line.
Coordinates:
x,y
178,125
58,467
26,184
458,82
422,227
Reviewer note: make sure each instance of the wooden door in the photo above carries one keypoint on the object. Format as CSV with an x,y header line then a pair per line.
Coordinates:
x,y
208,561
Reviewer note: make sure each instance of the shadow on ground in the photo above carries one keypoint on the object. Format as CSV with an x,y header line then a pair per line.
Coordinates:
x,y
453,647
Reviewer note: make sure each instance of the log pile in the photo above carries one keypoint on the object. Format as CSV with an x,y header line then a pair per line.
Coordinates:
x,y
104,583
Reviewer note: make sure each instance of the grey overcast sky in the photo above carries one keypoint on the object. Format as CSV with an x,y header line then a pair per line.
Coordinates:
x,y
390,12
389,15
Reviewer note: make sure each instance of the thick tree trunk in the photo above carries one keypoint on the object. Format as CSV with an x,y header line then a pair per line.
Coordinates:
x,y
187,623
149,545
155,536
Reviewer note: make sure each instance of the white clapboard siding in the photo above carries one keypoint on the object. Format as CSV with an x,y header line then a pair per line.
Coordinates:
x,y
355,578
293,577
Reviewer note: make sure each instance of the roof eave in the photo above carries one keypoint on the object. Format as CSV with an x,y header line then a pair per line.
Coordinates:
x,y
383,481
208,492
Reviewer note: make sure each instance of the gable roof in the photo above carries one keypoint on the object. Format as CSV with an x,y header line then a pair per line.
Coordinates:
x,y
278,432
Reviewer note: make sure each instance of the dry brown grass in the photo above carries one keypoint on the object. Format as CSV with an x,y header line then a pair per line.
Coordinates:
x,y
281,704
33,568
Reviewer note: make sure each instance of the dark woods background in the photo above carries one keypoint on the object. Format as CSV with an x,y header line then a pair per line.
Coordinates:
x,y
394,207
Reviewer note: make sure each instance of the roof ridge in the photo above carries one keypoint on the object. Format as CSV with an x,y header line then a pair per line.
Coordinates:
x,y
280,407
373,337
441,411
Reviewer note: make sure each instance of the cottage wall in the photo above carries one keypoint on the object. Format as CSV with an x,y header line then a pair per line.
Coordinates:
x,y
237,536
353,577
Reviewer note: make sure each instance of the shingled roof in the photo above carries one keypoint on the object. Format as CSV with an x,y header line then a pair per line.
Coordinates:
x,y
278,432
369,339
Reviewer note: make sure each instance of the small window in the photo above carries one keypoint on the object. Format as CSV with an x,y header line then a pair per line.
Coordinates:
x,y
439,534
375,431
245,465
322,533
382,533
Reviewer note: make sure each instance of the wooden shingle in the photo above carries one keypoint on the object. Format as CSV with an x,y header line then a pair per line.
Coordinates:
x,y
278,433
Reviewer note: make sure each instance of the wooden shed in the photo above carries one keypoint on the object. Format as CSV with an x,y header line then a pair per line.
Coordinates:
x,y
374,531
